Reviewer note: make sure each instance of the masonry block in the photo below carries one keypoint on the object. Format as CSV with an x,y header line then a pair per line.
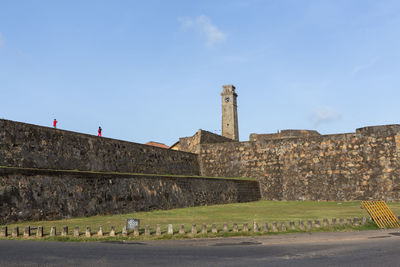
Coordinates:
x,y
4,232
194,229
53,231
283,226
64,231
301,225
255,227
214,228
265,227
309,225
15,232
363,220
147,230
112,231
235,228
100,231
275,227
170,229
88,232
204,228
158,229
27,231
225,227
76,231
135,231
39,231
182,229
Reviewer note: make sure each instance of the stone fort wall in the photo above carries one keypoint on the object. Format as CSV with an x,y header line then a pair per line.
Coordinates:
x,y
31,146
361,165
48,174
32,194
192,143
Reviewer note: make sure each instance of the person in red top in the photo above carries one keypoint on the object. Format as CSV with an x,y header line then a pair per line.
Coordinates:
x,y
99,131
55,123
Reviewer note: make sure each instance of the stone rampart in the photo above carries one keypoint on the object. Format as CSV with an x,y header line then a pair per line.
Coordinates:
x,y
28,194
362,165
283,134
192,143
31,146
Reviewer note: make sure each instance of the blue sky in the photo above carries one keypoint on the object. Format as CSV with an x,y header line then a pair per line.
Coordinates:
x,y
154,69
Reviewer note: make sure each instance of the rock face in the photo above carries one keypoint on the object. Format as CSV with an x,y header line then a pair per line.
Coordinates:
x,y
361,165
48,195
31,146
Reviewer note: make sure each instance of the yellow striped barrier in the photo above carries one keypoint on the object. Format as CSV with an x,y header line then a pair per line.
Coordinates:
x,y
382,215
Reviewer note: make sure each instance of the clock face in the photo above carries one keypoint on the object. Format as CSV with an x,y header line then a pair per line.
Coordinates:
x,y
226,99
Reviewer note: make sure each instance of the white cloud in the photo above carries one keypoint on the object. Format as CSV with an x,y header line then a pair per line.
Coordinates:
x,y
324,115
206,28
363,67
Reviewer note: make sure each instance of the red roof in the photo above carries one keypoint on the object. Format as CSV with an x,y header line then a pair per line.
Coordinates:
x,y
151,143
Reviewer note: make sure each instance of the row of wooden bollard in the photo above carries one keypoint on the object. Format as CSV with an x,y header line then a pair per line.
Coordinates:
x,y
265,228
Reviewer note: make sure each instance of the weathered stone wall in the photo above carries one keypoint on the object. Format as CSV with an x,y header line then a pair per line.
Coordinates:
x,y
361,165
192,143
282,135
47,194
32,146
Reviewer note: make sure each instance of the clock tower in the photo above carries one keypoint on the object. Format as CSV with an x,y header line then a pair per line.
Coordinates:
x,y
230,128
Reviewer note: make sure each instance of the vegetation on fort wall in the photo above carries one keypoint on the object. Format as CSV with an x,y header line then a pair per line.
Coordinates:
x,y
128,173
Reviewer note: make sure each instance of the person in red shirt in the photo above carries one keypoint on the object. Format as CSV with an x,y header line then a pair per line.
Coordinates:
x,y
55,123
99,131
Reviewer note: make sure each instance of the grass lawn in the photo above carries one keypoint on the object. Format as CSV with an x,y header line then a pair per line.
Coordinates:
x,y
260,211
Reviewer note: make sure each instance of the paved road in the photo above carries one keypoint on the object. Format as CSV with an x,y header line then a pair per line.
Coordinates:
x,y
367,248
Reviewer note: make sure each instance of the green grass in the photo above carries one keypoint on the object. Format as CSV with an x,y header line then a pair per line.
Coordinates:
x,y
260,211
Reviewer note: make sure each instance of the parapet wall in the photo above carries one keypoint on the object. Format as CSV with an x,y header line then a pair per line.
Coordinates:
x,y
31,146
283,135
192,143
27,194
362,165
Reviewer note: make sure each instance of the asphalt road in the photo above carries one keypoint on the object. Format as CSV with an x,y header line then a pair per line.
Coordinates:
x,y
366,248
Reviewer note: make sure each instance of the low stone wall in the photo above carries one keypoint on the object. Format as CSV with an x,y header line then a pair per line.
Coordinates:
x,y
202,230
28,194
31,146
364,165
